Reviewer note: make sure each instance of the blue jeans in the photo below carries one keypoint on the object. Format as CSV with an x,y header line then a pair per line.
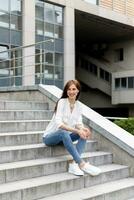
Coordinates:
x,y
62,136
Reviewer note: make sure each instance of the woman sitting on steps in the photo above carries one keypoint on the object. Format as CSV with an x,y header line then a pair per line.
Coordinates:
x,y
66,127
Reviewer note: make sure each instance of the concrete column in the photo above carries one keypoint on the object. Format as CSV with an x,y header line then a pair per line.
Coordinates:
x,y
69,44
28,38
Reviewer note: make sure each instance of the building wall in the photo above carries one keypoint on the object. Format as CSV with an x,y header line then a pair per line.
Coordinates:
x,y
125,7
128,54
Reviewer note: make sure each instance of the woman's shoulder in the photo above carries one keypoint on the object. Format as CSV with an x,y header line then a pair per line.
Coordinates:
x,y
79,105
62,100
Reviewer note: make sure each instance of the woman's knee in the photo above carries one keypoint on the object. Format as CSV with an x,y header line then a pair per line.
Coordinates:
x,y
46,141
65,135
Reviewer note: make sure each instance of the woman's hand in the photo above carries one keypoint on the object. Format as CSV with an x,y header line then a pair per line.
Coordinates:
x,y
84,133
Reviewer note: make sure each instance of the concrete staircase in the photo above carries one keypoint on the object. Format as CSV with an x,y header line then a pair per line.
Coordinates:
x,y
29,170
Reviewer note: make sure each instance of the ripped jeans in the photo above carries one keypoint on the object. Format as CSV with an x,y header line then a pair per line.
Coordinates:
x,y
62,136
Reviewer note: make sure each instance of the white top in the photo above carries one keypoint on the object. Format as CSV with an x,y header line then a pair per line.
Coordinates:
x,y
64,115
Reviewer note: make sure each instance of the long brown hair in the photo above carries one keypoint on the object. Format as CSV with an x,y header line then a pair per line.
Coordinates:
x,y
64,93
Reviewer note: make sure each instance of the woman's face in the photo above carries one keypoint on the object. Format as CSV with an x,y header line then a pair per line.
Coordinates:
x,y
72,92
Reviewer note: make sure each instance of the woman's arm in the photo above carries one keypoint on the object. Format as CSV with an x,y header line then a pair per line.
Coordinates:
x,y
83,132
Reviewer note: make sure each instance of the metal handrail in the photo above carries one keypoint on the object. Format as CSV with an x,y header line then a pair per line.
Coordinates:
x,y
26,46
11,72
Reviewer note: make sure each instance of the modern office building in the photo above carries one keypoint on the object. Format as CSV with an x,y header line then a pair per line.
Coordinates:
x,y
91,40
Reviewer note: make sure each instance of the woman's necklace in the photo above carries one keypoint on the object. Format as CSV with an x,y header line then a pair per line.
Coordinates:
x,y
72,106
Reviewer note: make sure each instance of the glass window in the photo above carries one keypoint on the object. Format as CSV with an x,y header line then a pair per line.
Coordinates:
x,y
49,26
16,38
119,55
92,68
4,5
39,28
16,22
107,76
16,6
4,35
58,31
49,72
123,82
58,15
18,59
96,2
117,83
4,55
130,82
49,58
39,3
59,59
4,20
59,45
49,30
58,73
49,12
49,45
39,12
102,74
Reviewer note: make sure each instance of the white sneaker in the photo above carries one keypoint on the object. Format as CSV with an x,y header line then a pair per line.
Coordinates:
x,y
74,169
90,169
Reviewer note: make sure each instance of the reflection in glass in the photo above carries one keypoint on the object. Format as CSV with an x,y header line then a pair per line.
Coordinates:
x,y
16,37
49,72
59,45
16,22
58,73
58,15
4,55
4,35
58,31
39,27
49,45
16,6
49,30
4,5
4,20
49,58
49,12
39,12
59,59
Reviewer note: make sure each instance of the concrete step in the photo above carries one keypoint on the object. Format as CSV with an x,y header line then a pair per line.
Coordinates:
x,y
20,138
34,151
23,105
35,137
41,187
39,167
23,125
115,190
6,115
131,199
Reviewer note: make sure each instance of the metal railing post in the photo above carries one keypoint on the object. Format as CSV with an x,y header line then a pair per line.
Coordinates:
x,y
14,68
41,64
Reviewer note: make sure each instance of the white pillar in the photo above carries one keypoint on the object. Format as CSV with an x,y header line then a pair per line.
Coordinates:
x,y
69,44
28,38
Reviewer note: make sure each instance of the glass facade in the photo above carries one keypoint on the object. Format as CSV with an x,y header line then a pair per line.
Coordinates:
x,y
49,25
10,37
49,56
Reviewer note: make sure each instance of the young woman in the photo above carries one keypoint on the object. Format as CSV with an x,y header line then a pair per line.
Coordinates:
x,y
66,127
